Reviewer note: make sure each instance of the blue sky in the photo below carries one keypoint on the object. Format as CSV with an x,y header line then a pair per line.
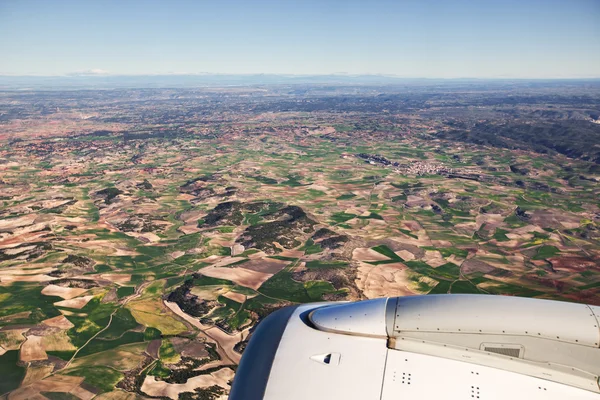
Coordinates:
x,y
407,38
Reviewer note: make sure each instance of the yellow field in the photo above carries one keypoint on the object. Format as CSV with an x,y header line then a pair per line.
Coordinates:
x,y
58,342
152,313
12,339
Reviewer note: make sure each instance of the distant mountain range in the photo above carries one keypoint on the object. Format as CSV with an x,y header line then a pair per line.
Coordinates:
x,y
198,80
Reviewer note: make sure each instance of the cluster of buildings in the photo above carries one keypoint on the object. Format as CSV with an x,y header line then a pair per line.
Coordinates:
x,y
425,168
415,168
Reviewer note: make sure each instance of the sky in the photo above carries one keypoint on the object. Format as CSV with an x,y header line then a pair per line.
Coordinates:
x,y
405,38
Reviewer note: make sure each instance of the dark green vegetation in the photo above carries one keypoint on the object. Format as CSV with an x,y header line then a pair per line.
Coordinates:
x,y
23,297
341,217
109,194
546,252
448,251
283,286
569,137
265,180
10,372
189,303
311,248
269,222
447,271
124,291
122,321
500,235
443,287
286,223
386,251
293,180
235,213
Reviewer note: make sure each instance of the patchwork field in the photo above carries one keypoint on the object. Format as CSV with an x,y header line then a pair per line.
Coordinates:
x,y
136,256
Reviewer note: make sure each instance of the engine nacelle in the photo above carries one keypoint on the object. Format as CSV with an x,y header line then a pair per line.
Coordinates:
x,y
364,345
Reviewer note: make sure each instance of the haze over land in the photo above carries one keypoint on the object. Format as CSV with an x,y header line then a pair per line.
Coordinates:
x,y
145,231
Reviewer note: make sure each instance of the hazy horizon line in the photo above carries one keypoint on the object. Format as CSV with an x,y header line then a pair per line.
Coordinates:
x,y
292,75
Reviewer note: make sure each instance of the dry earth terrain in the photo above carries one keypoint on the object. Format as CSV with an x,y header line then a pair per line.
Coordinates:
x,y
139,247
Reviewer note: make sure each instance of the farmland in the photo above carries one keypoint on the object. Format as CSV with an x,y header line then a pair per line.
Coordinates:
x,y
140,246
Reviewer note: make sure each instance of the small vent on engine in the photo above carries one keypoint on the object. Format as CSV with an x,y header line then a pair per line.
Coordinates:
x,y
505,351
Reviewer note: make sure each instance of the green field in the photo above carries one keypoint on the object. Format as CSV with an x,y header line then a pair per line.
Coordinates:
x,y
386,251
102,378
122,322
544,252
125,291
10,372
